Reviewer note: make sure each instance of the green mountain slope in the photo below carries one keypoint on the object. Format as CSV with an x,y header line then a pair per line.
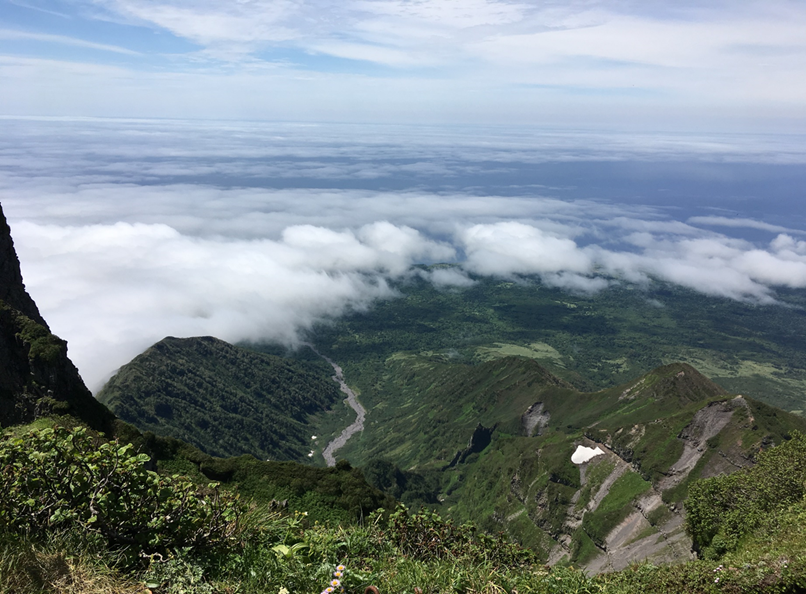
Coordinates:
x,y
223,399
593,341
493,442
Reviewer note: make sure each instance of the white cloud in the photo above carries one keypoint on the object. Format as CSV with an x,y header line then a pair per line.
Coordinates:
x,y
514,248
772,269
214,22
788,247
632,64
121,287
448,278
114,289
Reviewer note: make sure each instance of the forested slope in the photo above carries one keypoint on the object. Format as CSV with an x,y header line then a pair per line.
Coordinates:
x,y
225,400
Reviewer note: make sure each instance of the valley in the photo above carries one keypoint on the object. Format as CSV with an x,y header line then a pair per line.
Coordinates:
x,y
475,407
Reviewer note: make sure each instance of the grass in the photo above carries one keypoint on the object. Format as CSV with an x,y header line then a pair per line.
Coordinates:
x,y
398,552
598,470
615,507
536,350
62,564
658,516
772,561
584,549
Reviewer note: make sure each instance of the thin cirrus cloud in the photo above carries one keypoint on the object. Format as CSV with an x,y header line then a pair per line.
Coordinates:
x,y
12,35
740,222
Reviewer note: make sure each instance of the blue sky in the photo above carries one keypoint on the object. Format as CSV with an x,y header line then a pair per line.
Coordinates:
x,y
645,65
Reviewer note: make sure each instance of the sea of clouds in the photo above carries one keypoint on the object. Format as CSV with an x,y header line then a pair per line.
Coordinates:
x,y
132,230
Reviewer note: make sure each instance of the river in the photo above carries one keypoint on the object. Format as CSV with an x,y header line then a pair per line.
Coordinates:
x,y
352,401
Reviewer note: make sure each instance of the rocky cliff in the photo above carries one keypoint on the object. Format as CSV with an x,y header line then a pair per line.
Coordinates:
x,y
36,377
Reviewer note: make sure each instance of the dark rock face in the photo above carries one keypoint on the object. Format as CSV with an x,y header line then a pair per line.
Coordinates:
x,y
12,290
481,438
36,377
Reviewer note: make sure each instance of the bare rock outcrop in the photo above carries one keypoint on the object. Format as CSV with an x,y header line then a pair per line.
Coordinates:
x,y
36,377
535,419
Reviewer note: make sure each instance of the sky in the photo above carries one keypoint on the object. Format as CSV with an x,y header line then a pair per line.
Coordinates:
x,y
619,64
130,230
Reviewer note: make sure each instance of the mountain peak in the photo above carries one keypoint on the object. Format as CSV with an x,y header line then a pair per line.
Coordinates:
x,y
36,377
12,289
676,380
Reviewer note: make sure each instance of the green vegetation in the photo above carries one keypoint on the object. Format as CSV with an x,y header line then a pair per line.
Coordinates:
x,y
598,470
271,550
593,341
436,366
409,487
223,399
37,379
451,436
57,479
723,510
424,411
616,506
328,495
42,345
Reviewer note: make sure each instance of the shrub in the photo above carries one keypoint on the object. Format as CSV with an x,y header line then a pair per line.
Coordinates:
x,y
57,478
425,536
722,510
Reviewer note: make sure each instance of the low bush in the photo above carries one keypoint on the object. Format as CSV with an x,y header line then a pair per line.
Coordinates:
x,y
56,479
425,536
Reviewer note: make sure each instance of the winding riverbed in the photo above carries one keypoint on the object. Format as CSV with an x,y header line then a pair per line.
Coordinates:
x,y
352,401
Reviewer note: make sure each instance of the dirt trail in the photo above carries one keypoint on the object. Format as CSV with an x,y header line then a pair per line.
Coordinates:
x,y
352,401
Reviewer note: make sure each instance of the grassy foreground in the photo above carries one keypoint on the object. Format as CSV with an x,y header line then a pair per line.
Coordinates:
x,y
286,554
67,534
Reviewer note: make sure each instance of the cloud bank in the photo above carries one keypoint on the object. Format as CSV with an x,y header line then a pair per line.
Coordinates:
x,y
114,288
160,235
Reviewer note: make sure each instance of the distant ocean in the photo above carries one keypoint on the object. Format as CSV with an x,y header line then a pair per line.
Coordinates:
x,y
753,176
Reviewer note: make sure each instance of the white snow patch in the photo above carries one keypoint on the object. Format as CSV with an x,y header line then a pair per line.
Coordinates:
x,y
584,454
